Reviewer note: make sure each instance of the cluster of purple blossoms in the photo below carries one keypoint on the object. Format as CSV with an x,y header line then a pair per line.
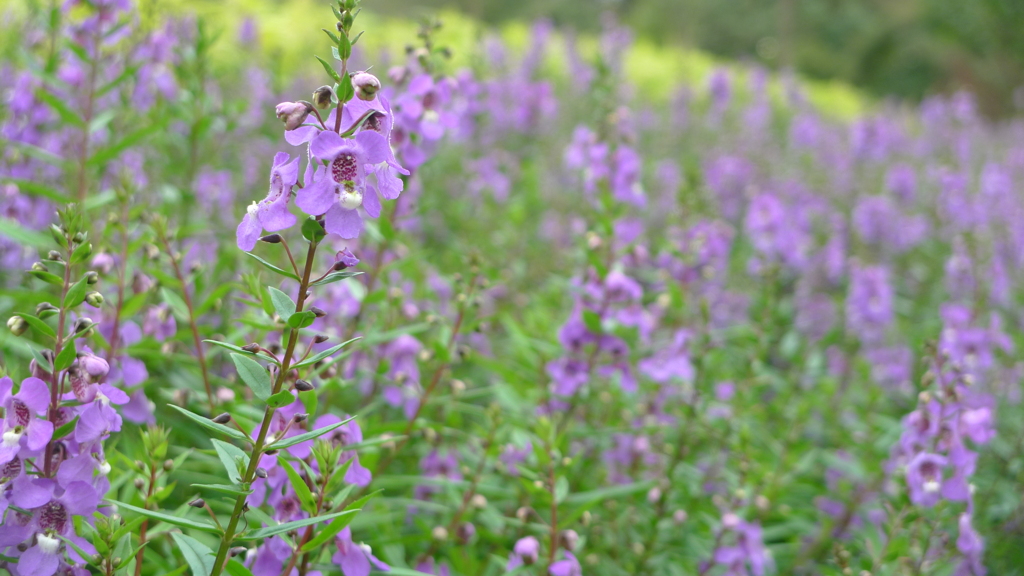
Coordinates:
x,y
954,408
740,548
40,498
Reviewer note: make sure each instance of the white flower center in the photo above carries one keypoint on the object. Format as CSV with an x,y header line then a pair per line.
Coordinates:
x,y
252,209
931,487
365,548
350,199
11,438
48,544
104,468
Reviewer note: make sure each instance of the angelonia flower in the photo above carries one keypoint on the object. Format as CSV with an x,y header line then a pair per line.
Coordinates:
x,y
741,550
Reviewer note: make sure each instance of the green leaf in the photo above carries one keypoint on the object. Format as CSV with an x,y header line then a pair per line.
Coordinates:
x,y
47,277
211,425
271,267
176,304
358,504
375,442
66,114
239,350
31,188
302,491
331,35
66,357
592,320
163,517
313,230
76,294
309,401
282,398
330,70
561,489
325,535
236,568
289,526
301,319
233,489
129,557
254,375
82,252
232,458
65,429
293,440
72,544
199,557
283,304
321,355
41,360
346,91
335,277
38,325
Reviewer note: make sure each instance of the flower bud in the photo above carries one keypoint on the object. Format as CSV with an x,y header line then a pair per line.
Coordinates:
x,y
96,367
528,549
54,255
478,501
251,348
140,483
168,465
271,239
36,370
38,267
439,533
237,550
465,532
261,472
323,97
679,516
303,386
569,539
320,338
222,418
317,312
198,503
45,309
367,85
83,325
17,325
94,299
293,114
299,418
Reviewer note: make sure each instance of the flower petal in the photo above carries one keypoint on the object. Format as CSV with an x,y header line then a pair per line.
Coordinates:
x,y
345,223
326,145
318,198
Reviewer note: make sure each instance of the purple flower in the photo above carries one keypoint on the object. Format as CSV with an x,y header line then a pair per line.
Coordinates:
x,y
338,190
969,544
355,559
21,426
271,213
924,478
347,435
525,551
569,566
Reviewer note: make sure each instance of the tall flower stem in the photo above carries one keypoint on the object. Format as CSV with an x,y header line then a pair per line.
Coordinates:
x,y
53,412
268,416
196,340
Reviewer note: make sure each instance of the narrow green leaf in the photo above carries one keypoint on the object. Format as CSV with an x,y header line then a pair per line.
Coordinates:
x,y
302,491
289,526
199,557
273,268
65,429
38,325
76,294
335,277
236,568
47,277
41,360
283,304
293,440
104,155
66,114
232,458
254,375
129,557
330,69
375,442
32,188
282,398
67,356
176,303
325,535
358,504
211,425
321,355
239,350
233,489
301,319
163,517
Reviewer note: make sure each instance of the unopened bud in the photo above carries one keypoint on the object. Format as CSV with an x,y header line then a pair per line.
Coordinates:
x,y
271,239
54,255
298,418
323,97
82,325
140,483
17,325
222,418
237,550
303,386
653,495
45,309
367,85
261,472
317,312
569,539
251,348
168,465
522,513
94,299
320,338
198,503
478,501
465,532
679,516
439,533
91,277
78,238
293,114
